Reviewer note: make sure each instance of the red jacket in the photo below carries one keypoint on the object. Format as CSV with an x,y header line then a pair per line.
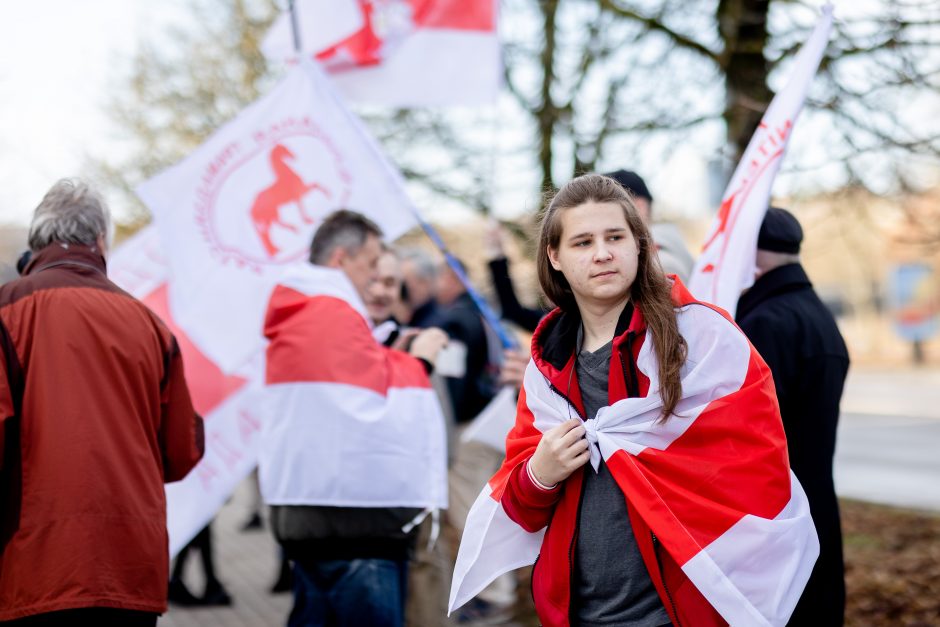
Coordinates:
x,y
553,351
95,417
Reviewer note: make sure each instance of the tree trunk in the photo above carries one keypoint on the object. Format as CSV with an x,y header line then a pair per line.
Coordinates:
x,y
547,114
743,28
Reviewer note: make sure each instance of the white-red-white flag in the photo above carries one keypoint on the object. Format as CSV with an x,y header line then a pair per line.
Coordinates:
x,y
244,207
349,422
230,405
399,53
725,267
493,423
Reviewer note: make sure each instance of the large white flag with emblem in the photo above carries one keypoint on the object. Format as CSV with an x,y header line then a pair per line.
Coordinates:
x,y
726,266
245,205
400,53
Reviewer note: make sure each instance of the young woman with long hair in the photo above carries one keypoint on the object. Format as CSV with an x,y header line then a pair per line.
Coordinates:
x,y
597,262
648,446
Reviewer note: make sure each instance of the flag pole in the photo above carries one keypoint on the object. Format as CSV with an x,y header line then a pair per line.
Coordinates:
x,y
507,340
489,316
295,30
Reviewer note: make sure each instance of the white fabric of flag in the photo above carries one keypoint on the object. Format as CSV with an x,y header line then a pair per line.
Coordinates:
x,y
493,423
399,53
244,206
726,267
229,405
328,23
349,423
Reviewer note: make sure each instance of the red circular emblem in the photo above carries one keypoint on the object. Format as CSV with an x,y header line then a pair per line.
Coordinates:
x,y
261,200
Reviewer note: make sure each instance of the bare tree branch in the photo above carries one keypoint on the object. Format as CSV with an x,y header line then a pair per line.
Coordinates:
x,y
656,24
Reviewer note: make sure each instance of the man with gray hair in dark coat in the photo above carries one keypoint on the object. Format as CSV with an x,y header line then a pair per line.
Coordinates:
x,y
798,338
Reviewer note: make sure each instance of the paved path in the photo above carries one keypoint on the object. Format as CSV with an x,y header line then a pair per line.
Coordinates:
x,y
893,460
888,446
898,392
246,563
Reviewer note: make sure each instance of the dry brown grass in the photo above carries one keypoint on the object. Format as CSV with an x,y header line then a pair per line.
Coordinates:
x,y
892,566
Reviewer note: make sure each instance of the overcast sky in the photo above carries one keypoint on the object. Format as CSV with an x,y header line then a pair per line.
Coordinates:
x,y
59,60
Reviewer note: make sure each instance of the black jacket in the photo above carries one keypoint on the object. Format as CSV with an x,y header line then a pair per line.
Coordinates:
x,y
798,338
511,308
469,394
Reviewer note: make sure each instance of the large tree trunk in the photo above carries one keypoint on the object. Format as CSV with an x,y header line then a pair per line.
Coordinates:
x,y
547,113
743,28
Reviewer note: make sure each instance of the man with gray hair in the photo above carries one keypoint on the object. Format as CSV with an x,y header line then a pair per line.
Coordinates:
x,y
95,417
420,273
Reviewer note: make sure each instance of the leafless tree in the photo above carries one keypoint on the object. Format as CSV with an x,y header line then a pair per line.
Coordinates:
x,y
594,78
183,87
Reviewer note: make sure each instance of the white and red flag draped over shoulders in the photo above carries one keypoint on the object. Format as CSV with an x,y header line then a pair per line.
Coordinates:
x,y
726,266
399,53
349,422
713,482
228,404
244,206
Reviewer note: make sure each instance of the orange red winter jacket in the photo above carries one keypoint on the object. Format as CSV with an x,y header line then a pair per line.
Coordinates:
x,y
94,417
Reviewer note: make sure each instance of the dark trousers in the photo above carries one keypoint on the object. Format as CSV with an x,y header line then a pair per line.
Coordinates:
x,y
349,593
202,543
97,616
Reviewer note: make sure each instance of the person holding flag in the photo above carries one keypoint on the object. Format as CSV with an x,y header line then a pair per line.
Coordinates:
x,y
688,513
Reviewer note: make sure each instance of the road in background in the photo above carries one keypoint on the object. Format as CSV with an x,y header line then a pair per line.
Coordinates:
x,y
888,446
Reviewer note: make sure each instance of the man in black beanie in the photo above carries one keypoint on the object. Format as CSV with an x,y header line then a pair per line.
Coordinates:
x,y
674,256
798,338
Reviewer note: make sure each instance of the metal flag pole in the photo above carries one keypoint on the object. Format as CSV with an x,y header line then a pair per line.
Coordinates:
x,y
507,340
295,29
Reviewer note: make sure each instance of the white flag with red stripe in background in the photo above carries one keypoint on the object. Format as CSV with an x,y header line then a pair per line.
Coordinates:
x,y
243,208
230,405
726,265
398,53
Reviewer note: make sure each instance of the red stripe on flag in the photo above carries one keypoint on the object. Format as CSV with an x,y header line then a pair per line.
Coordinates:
x,y
455,14
208,385
520,442
737,449
323,339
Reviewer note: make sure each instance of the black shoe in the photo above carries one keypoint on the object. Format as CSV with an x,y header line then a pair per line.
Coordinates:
x,y
215,595
254,523
179,594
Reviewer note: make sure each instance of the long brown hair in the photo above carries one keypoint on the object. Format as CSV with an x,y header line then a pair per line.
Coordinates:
x,y
650,290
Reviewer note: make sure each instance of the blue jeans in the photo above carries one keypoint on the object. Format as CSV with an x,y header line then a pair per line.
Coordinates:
x,y
349,593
